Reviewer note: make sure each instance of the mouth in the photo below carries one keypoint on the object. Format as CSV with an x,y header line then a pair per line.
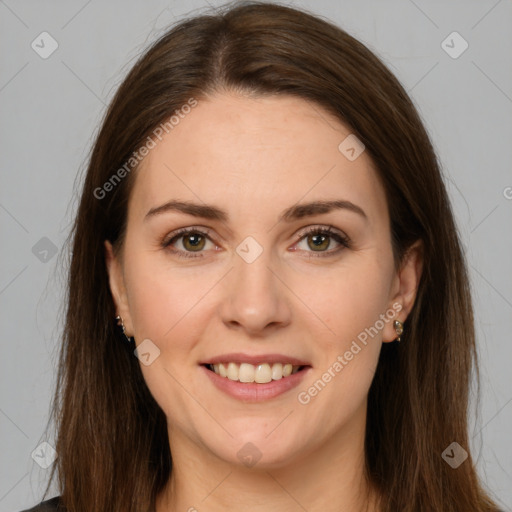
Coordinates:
x,y
255,378
262,373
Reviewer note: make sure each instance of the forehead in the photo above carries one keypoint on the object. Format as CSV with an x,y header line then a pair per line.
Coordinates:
x,y
253,155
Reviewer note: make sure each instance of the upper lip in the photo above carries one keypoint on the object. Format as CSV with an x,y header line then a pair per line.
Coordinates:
x,y
239,357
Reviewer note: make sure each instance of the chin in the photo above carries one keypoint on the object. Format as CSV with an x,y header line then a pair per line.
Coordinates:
x,y
260,451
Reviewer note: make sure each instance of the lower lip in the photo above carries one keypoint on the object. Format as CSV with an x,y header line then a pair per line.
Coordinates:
x,y
252,391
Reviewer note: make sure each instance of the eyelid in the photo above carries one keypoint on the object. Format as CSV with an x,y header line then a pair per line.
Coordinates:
x,y
207,232
326,229
339,236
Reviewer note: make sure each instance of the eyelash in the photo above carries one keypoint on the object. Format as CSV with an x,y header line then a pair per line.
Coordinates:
x,y
325,231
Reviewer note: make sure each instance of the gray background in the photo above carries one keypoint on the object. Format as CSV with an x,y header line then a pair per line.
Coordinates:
x,y
51,108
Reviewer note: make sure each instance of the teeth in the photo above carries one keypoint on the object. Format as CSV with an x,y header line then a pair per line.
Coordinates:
x,y
277,371
261,373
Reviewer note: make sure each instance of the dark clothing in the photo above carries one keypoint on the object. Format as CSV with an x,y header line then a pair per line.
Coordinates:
x,y
48,506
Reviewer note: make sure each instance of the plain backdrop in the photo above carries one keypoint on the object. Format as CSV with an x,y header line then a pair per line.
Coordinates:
x,y
50,109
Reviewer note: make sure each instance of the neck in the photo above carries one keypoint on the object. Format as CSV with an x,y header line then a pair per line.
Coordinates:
x,y
326,477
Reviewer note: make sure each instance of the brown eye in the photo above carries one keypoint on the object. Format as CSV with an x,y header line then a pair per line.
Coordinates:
x,y
187,243
319,239
318,242
193,241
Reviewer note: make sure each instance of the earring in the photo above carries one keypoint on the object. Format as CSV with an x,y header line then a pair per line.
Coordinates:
x,y
399,328
121,324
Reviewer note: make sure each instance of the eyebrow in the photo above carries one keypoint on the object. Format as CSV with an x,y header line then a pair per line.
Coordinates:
x,y
292,213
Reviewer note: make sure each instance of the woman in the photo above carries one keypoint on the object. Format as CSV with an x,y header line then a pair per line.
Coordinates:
x,y
268,303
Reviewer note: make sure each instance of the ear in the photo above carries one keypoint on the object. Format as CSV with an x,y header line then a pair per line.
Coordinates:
x,y
404,288
117,287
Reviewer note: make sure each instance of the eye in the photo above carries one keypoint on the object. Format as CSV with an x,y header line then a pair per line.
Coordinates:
x,y
319,239
192,240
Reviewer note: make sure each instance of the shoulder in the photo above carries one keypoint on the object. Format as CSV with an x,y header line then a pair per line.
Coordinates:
x,y
53,505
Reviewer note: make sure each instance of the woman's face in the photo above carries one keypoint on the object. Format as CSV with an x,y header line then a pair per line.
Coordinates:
x,y
250,284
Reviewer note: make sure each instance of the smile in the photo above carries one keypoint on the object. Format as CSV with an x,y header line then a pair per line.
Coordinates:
x,y
254,383
260,373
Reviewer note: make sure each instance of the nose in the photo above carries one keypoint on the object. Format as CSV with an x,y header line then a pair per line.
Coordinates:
x,y
255,299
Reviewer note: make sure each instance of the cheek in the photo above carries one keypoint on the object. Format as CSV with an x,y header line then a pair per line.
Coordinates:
x,y
153,300
162,298
346,301
350,303
166,306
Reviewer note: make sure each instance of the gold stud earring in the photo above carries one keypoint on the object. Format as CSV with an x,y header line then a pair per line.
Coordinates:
x,y
121,324
399,328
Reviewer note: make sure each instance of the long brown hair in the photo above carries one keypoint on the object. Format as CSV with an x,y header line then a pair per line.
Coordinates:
x,y
112,440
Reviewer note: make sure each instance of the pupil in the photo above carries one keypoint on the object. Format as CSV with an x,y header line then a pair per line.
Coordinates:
x,y
319,241
193,240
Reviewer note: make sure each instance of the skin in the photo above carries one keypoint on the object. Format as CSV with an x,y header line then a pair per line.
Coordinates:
x,y
254,158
